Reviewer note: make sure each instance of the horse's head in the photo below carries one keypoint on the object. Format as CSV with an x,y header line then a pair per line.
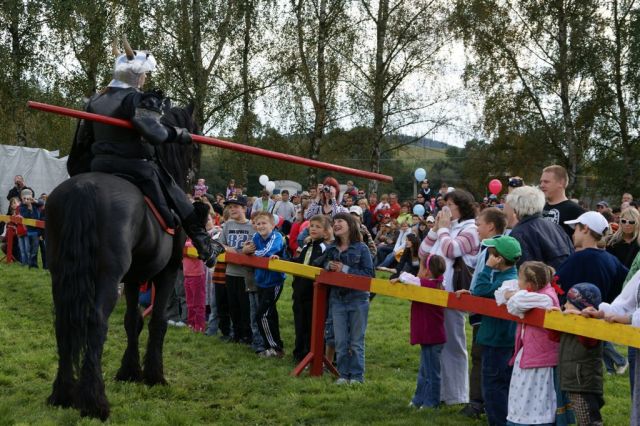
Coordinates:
x,y
180,160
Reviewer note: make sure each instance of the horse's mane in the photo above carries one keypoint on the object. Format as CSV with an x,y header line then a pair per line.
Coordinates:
x,y
180,160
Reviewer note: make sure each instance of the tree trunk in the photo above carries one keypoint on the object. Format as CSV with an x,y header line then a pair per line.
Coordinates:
x,y
246,121
562,72
320,106
378,91
199,76
627,182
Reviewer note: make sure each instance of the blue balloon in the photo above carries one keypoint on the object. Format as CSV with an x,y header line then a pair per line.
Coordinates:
x,y
420,174
418,209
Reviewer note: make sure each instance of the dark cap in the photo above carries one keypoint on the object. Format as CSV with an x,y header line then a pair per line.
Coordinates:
x,y
241,201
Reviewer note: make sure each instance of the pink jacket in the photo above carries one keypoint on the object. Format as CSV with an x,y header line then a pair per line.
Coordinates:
x,y
538,348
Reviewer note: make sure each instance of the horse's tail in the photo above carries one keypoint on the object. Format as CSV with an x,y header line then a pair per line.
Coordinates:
x,y
74,277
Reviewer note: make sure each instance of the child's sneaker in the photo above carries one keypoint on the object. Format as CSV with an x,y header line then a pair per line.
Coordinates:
x,y
267,353
342,381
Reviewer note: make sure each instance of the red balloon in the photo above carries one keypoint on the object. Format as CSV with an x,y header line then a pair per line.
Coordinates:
x,y
495,186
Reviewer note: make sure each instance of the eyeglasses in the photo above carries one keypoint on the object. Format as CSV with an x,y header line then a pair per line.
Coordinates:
x,y
626,221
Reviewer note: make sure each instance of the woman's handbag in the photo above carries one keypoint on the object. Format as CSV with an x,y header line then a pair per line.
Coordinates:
x,y
462,275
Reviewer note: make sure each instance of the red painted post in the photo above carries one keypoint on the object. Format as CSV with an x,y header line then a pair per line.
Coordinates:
x,y
216,142
9,239
316,357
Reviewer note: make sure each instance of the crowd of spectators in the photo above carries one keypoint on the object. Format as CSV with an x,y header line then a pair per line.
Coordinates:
x,y
533,247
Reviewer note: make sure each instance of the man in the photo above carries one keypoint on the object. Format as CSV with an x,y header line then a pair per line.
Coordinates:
x,y
602,206
347,201
540,239
18,186
559,208
285,208
424,189
264,203
361,194
99,147
395,207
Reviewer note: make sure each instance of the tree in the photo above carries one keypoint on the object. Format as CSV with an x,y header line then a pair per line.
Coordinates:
x,y
20,24
536,60
409,35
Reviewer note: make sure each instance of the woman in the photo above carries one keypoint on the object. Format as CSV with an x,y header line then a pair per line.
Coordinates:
x,y
326,202
410,260
624,243
367,216
453,235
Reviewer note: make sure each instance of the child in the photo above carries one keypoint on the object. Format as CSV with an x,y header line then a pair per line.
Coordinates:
x,y
319,234
28,209
349,308
532,394
267,242
194,280
580,363
427,330
235,233
200,189
496,335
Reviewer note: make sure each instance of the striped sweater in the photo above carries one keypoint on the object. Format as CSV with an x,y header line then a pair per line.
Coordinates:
x,y
461,240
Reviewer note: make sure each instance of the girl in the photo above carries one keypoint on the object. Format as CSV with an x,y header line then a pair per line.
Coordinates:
x,y
532,395
349,308
410,261
319,234
14,204
427,330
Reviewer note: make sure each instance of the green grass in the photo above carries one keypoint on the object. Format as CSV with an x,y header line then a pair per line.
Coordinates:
x,y
216,383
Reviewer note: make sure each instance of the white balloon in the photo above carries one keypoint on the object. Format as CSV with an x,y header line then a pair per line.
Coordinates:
x,y
418,209
420,174
270,186
263,180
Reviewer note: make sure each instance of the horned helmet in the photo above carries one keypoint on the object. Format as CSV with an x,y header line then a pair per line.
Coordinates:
x,y
130,66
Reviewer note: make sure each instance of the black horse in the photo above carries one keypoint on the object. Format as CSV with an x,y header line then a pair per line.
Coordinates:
x,y
100,233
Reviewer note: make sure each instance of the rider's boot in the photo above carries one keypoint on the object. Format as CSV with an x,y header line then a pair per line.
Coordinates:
x,y
208,249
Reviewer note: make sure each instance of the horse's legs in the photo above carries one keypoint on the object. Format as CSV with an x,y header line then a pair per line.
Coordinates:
x,y
130,366
153,370
90,397
63,386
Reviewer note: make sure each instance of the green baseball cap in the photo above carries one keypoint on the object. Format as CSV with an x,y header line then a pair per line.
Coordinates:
x,y
507,247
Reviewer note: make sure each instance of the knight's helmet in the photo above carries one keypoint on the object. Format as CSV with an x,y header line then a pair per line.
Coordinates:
x,y
130,66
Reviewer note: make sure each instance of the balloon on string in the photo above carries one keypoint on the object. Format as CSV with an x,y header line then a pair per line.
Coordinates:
x,y
270,186
495,186
263,179
419,210
420,174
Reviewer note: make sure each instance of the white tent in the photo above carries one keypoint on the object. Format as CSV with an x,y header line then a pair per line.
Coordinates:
x,y
42,170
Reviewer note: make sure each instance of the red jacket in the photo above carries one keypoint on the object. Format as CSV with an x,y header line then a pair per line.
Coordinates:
x,y
427,321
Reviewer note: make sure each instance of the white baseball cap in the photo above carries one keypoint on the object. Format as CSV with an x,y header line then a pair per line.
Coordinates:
x,y
594,220
356,209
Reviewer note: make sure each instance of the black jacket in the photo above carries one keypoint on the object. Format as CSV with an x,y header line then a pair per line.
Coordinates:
x,y
542,240
303,287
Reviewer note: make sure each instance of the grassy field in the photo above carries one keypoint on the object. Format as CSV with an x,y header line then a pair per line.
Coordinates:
x,y
221,383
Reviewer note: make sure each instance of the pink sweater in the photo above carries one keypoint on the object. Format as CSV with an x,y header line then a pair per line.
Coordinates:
x,y
192,267
538,348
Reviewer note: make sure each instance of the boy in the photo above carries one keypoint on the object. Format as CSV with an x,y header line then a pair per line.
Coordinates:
x,y
235,233
580,360
495,335
491,223
267,242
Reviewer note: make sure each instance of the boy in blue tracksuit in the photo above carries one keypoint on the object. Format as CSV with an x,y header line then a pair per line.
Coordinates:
x,y
267,242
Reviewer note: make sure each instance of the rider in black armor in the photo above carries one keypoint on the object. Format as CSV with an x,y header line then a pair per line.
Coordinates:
x,y
130,153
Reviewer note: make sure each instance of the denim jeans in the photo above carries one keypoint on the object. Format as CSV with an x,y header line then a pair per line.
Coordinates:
x,y
29,249
496,377
257,344
611,357
350,312
428,384
388,260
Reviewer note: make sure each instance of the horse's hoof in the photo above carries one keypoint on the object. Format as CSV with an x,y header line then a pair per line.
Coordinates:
x,y
153,381
129,376
99,412
58,399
